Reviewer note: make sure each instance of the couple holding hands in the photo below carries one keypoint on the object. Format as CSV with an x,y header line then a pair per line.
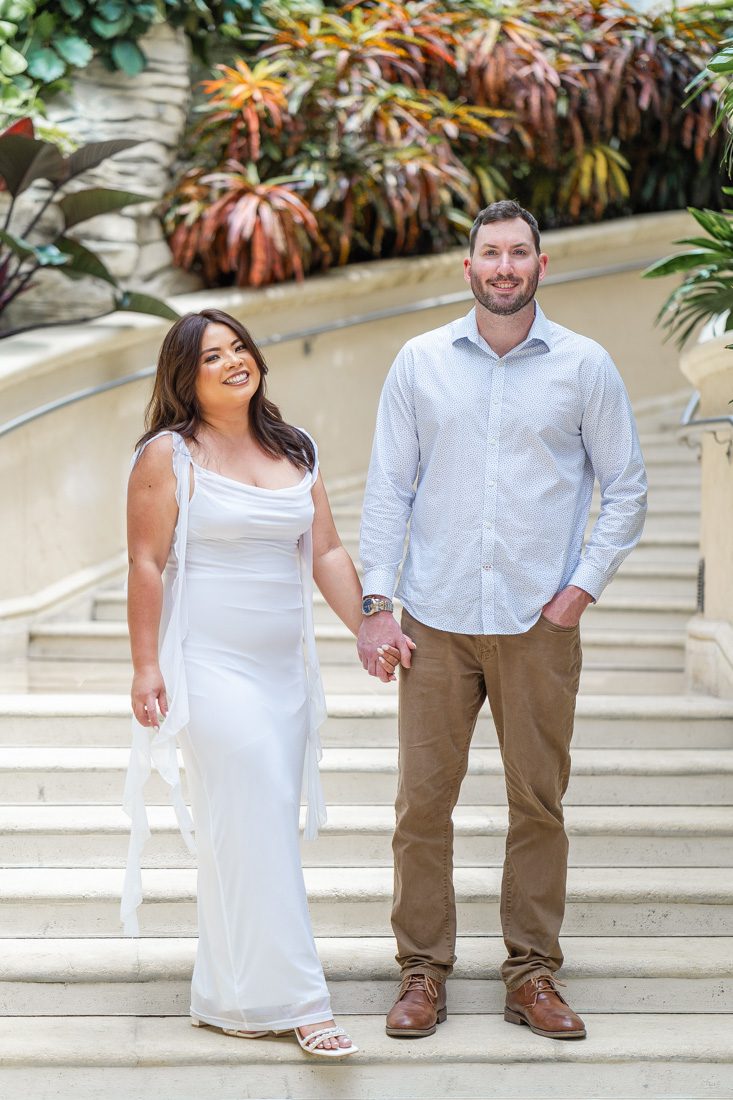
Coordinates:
x,y
490,434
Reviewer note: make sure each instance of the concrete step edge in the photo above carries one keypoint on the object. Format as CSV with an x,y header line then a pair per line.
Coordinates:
x,y
590,885
484,760
140,960
155,1043
667,821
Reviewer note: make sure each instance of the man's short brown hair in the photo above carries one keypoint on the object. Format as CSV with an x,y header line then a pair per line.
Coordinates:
x,y
503,211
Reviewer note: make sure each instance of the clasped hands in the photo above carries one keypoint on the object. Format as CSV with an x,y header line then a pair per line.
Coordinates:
x,y
382,646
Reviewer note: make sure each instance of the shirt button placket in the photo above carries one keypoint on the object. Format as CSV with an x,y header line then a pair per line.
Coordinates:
x,y
491,477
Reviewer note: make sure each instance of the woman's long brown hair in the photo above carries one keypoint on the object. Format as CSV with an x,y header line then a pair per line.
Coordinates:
x,y
174,406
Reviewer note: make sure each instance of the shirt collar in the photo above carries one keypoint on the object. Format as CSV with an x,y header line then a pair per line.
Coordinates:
x,y
466,328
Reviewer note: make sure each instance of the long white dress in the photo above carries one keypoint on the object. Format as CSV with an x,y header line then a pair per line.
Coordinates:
x,y
238,658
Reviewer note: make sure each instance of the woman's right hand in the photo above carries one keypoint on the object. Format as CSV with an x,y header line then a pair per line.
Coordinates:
x,y
149,697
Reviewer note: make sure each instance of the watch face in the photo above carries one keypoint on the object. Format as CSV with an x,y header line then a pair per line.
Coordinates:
x,y
367,606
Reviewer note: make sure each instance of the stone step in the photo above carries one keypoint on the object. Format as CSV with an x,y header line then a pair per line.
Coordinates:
x,y
361,835
356,901
131,1059
151,977
616,721
77,675
660,648
353,776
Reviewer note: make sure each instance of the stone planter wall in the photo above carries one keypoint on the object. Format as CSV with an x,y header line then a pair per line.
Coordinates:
x,y
709,367
104,105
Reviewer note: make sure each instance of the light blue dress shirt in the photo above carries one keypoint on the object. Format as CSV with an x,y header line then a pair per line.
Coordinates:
x,y
491,461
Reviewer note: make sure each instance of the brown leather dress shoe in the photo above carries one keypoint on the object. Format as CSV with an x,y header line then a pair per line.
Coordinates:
x,y
419,1008
540,1006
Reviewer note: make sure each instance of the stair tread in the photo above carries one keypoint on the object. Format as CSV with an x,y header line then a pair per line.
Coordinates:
x,y
147,959
161,1042
483,760
82,704
665,820
644,885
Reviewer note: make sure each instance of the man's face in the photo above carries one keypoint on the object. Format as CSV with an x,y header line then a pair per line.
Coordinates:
x,y
505,268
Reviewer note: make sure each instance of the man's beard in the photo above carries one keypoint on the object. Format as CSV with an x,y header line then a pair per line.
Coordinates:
x,y
500,306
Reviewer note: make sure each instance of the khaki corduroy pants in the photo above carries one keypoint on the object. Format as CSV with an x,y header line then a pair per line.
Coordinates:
x,y
531,681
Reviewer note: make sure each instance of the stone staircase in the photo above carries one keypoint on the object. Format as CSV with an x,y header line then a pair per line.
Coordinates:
x,y
648,935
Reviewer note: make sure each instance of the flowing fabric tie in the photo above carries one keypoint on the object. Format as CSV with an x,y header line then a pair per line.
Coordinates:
x,y
315,816
159,752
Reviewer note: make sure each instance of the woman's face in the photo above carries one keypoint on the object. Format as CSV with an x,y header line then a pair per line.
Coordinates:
x,y
228,375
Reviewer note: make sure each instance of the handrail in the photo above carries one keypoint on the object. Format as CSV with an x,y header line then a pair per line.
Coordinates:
x,y
337,325
689,424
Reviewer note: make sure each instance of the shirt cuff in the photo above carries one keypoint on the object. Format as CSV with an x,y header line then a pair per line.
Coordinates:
x,y
590,579
380,582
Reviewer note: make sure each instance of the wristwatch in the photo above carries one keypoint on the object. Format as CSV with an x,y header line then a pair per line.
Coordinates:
x,y
370,605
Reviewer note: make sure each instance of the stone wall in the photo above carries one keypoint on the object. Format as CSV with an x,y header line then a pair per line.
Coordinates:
x,y
103,105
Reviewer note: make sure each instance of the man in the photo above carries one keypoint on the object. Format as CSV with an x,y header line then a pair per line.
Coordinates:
x,y
490,433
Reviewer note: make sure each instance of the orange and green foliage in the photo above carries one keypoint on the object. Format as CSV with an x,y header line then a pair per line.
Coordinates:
x,y
391,123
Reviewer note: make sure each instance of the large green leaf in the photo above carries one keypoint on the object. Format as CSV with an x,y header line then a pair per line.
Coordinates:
x,y
145,303
83,262
46,65
24,160
91,155
12,63
16,245
73,8
74,50
47,255
80,205
672,265
128,57
717,225
110,28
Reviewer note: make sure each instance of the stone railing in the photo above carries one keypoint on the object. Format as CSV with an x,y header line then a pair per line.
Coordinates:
x,y
709,367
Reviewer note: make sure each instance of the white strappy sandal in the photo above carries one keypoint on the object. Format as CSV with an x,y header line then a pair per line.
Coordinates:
x,y
309,1043
195,1022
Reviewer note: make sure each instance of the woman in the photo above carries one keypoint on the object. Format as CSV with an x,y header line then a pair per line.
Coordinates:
x,y
228,520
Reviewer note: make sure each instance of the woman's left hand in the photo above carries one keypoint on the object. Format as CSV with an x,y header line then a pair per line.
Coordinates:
x,y
389,658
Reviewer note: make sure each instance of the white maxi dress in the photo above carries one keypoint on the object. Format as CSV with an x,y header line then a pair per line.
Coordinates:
x,y
238,658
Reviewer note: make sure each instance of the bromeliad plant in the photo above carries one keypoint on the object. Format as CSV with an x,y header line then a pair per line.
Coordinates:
x,y
27,250
334,111
393,120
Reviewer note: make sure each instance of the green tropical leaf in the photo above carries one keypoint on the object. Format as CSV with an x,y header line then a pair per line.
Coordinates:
x,y
80,205
45,65
91,155
47,255
145,303
717,225
83,262
24,160
73,8
672,265
12,63
16,245
74,50
128,57
110,29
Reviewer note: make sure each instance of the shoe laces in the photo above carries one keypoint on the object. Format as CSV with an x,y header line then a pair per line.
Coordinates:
x,y
545,983
419,982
